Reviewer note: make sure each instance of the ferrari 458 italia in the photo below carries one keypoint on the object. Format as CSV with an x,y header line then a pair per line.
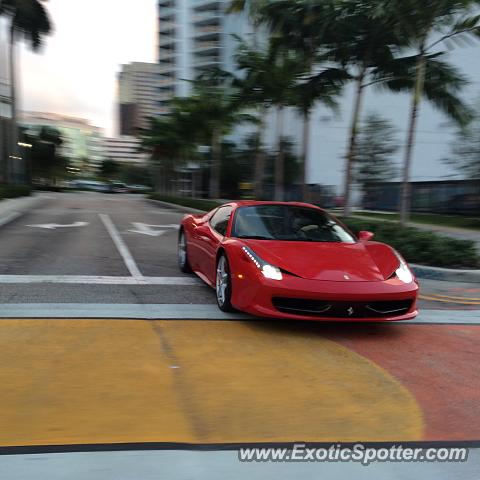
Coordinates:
x,y
295,261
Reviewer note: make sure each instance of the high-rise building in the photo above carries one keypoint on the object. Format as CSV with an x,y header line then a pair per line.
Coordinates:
x,y
138,96
125,149
194,36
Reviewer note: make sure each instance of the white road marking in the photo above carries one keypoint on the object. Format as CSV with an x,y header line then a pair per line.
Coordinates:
x,y
151,230
54,226
10,218
121,246
98,280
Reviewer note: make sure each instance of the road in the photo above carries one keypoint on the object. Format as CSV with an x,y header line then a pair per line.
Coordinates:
x,y
67,251
103,341
87,254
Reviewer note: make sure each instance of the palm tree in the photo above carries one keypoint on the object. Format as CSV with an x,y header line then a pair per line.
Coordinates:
x,y
428,24
29,20
268,77
254,66
362,40
323,88
304,26
441,85
218,106
286,70
171,141
351,34
46,161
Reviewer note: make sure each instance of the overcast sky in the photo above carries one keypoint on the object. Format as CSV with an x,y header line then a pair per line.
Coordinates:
x,y
75,73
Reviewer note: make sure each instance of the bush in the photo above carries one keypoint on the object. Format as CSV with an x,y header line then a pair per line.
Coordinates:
x,y
14,191
421,247
198,203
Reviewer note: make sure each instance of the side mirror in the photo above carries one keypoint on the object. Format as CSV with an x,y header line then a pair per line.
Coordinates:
x,y
364,236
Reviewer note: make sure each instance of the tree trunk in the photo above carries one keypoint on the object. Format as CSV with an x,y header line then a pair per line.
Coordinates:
x,y
260,156
352,145
216,159
305,151
10,167
416,98
280,159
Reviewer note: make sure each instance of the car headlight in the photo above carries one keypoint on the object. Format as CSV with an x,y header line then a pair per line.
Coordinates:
x,y
268,271
403,272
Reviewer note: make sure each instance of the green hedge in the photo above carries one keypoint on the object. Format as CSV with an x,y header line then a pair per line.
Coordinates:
x,y
421,247
14,191
198,203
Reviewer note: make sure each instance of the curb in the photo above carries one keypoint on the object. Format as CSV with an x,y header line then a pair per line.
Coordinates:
x,y
174,206
11,209
421,271
446,274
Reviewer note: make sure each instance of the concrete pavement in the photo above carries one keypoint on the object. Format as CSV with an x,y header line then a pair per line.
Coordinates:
x,y
195,375
67,382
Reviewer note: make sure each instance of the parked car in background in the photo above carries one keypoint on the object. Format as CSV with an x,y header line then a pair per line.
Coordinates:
x,y
91,185
118,187
138,188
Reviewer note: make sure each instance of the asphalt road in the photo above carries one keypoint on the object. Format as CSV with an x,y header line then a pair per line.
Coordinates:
x,y
83,242
80,252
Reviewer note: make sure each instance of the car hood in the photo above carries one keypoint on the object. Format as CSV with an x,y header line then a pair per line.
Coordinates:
x,y
339,262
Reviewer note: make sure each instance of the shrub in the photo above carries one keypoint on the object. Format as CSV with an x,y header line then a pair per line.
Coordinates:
x,y
421,247
198,203
14,191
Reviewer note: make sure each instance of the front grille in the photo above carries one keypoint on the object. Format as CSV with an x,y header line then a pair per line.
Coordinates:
x,y
334,309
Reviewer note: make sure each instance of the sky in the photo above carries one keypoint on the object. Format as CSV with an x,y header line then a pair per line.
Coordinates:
x,y
75,73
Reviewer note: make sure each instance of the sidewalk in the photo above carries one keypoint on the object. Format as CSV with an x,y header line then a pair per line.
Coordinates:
x,y
12,208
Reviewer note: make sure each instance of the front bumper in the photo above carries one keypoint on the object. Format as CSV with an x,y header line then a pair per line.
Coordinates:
x,y
254,294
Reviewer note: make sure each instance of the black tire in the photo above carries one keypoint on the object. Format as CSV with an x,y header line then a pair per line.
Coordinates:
x,y
223,290
183,262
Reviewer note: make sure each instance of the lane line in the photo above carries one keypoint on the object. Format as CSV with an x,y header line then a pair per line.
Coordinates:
x,y
442,300
473,299
10,218
203,312
121,246
98,280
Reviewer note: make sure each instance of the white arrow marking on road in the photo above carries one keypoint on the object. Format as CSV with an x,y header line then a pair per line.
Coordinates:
x,y
53,226
150,230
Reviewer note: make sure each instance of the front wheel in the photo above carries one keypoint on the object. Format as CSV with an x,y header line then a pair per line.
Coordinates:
x,y
223,285
183,262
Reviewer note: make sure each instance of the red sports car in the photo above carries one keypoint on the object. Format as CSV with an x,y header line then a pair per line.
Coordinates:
x,y
295,261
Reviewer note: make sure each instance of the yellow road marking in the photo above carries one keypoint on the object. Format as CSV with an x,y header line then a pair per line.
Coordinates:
x,y
444,300
107,381
477,299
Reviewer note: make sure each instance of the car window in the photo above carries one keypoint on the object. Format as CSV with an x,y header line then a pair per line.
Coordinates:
x,y
219,221
289,223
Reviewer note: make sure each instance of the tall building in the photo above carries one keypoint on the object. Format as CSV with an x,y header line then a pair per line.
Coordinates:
x,y
83,144
125,149
194,36
5,103
138,96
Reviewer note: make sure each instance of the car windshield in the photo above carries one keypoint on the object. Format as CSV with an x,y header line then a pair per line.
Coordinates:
x,y
288,223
